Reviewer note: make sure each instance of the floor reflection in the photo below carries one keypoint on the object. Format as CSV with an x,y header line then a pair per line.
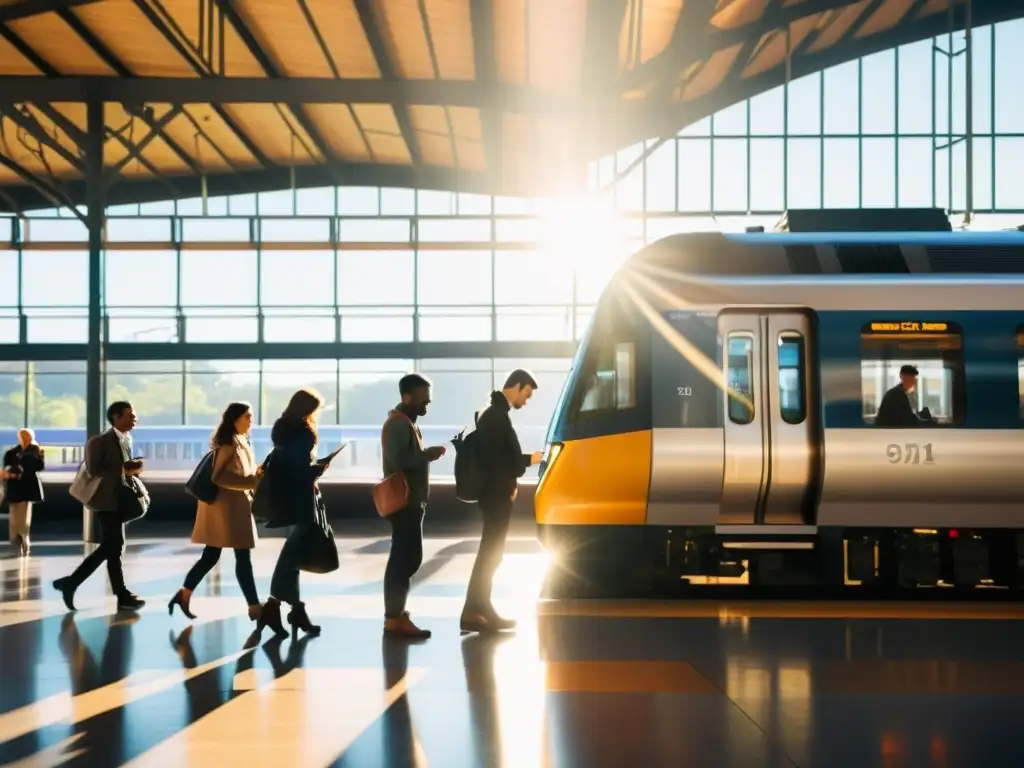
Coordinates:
x,y
579,684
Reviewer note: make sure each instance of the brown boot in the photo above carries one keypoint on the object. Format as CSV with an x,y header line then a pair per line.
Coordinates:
x,y
181,599
402,626
255,611
270,616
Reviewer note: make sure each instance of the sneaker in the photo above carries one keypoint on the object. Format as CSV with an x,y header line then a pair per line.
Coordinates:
x,y
403,626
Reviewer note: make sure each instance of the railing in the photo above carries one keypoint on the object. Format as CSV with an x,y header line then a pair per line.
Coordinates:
x,y
172,453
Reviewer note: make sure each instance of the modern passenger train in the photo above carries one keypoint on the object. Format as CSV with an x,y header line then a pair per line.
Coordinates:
x,y
720,416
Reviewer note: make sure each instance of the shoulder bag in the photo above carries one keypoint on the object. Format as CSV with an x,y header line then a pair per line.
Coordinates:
x,y
392,493
201,486
319,551
84,486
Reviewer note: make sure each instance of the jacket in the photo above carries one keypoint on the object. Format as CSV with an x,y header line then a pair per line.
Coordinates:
x,y
502,460
29,486
403,451
895,410
227,522
105,458
292,472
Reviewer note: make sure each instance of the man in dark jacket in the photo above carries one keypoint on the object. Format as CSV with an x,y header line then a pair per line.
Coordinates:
x,y
108,456
897,409
403,451
502,463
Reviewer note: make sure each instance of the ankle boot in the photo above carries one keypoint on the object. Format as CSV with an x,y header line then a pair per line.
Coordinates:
x,y
270,616
181,599
255,611
299,619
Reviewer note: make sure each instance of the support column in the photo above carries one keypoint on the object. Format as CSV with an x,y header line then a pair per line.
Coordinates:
x,y
95,129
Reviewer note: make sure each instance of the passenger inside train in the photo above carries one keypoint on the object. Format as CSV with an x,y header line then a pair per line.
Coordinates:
x,y
897,408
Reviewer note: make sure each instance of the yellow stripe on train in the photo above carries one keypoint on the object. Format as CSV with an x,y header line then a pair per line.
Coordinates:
x,y
597,481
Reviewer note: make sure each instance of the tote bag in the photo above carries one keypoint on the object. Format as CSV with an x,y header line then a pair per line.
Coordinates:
x,y
200,486
320,553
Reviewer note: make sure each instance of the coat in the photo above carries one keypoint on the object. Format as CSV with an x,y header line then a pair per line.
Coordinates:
x,y
27,487
105,458
227,522
291,475
502,458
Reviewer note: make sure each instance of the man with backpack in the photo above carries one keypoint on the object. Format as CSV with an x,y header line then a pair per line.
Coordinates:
x,y
496,461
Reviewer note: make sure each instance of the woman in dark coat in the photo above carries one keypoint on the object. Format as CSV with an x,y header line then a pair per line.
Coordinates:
x,y
23,487
292,472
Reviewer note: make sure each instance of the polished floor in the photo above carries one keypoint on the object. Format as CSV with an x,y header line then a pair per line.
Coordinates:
x,y
580,684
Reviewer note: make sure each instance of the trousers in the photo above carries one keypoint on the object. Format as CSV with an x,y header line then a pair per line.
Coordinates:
x,y
243,572
405,558
497,515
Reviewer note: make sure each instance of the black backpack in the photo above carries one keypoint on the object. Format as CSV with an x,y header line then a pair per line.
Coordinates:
x,y
469,476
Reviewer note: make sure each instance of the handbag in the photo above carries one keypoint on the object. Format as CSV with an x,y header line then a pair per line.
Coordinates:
x,y
263,496
84,486
392,493
201,486
132,501
319,551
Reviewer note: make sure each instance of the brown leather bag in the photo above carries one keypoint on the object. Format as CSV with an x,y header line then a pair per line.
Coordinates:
x,y
392,493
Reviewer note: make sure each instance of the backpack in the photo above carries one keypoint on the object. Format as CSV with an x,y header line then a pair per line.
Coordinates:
x,y
469,476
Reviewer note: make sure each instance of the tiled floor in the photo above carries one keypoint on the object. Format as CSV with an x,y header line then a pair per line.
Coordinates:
x,y
580,684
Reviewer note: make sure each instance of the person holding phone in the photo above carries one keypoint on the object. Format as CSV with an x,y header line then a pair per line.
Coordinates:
x,y
23,486
293,474
108,456
502,462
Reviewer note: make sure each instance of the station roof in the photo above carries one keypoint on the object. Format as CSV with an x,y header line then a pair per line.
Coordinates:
x,y
495,96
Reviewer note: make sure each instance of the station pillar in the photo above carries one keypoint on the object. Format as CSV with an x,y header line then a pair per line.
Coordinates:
x,y
95,130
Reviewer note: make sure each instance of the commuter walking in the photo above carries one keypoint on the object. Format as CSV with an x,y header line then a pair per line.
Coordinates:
x,y
227,522
117,496
23,487
292,472
403,452
502,462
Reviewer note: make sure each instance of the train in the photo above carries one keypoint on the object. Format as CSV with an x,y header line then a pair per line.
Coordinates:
x,y
721,422
175,450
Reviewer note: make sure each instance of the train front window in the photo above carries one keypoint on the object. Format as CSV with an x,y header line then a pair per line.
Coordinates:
x,y
740,377
921,360
612,384
791,378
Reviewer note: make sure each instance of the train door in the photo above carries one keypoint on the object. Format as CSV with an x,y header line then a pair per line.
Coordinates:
x,y
771,419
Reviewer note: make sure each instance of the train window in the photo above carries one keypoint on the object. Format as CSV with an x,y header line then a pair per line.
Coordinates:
x,y
936,394
741,378
612,386
791,378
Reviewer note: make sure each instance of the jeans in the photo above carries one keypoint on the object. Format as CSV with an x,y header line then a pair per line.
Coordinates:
x,y
111,549
243,572
284,584
497,516
405,558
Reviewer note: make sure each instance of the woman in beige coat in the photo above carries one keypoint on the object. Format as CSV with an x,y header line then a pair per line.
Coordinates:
x,y
227,522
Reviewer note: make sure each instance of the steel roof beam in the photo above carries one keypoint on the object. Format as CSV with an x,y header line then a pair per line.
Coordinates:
x,y
26,9
481,13
387,71
44,188
31,126
195,62
302,90
227,7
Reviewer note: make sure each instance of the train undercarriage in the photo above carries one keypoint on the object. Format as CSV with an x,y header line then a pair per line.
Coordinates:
x,y
875,562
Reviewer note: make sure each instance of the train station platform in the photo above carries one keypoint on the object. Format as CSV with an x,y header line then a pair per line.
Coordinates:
x,y
579,684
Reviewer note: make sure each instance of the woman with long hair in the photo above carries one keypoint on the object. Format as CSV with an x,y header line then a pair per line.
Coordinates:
x,y
23,486
227,522
293,472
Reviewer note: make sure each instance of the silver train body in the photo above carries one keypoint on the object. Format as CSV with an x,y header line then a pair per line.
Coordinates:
x,y
759,364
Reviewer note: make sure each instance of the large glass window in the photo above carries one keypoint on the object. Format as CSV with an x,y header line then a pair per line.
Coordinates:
x,y
212,384
55,278
297,278
384,278
219,278
12,394
281,378
156,389
912,373
56,394
450,278
124,285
